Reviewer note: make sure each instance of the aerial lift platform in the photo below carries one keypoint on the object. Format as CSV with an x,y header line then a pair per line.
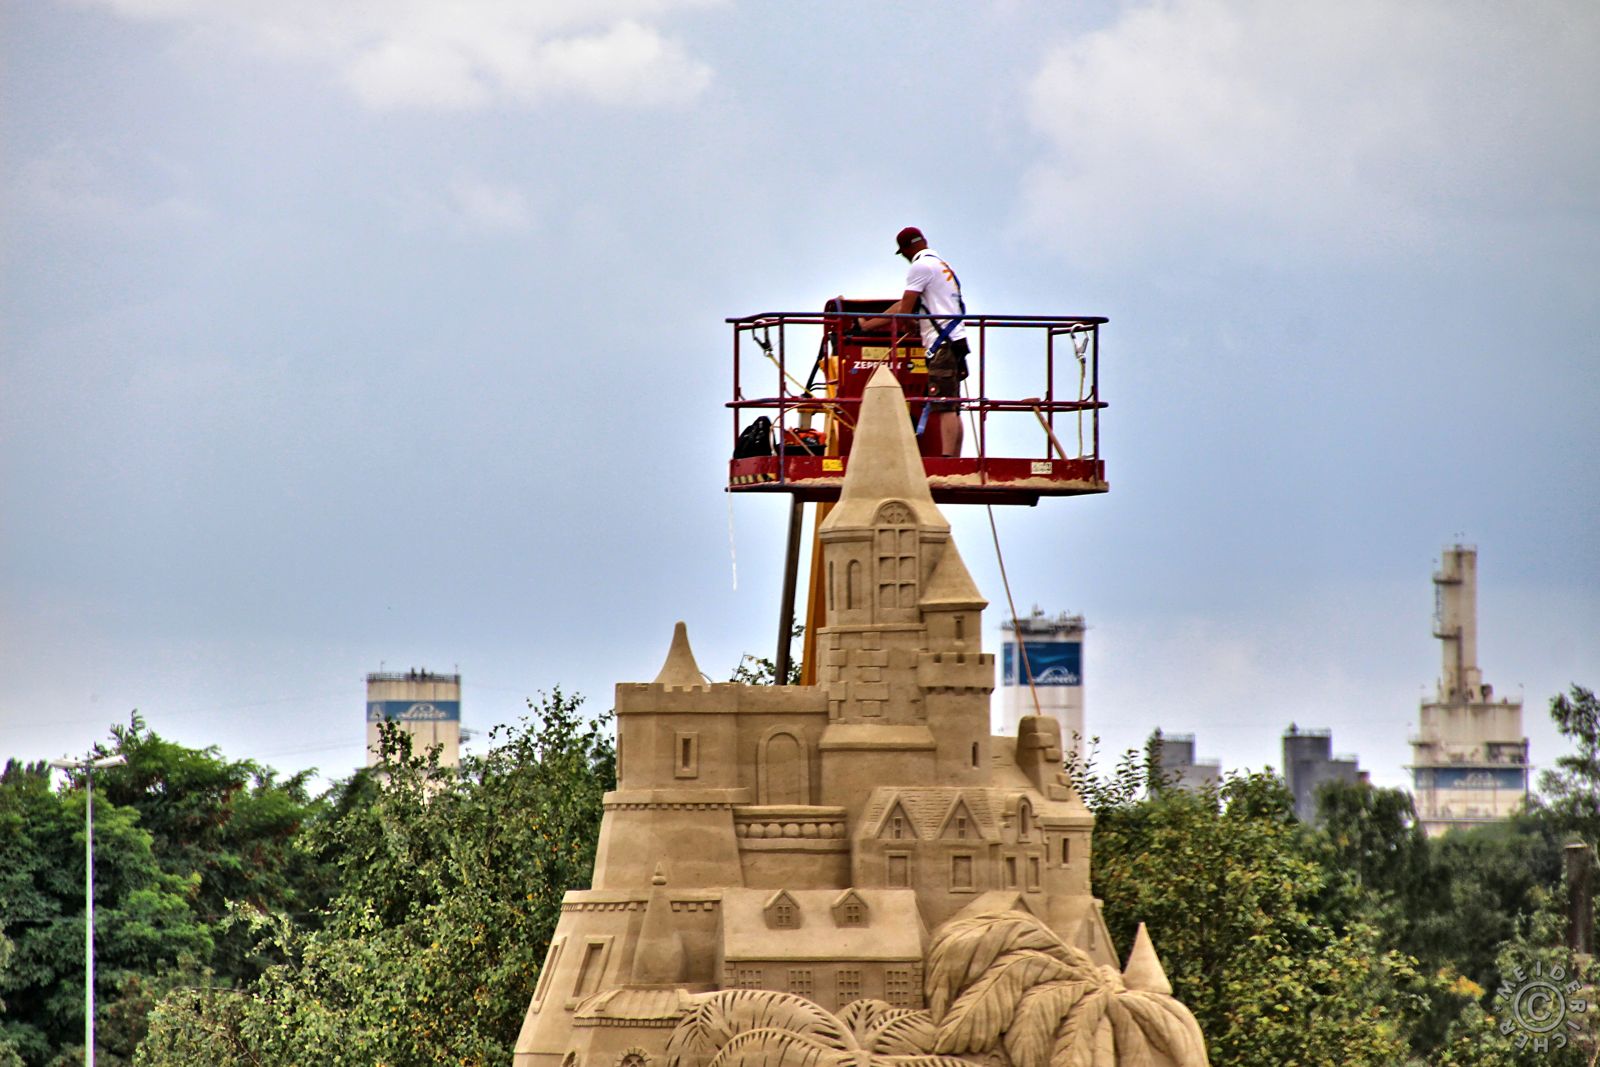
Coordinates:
x,y
808,462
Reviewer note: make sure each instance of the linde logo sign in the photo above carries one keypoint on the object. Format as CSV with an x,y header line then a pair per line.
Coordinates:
x,y
1052,662
413,711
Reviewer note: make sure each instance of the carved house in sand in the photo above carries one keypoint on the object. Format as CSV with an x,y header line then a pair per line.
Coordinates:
x,y
807,839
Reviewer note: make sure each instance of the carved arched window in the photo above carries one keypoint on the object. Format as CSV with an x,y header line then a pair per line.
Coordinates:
x,y
897,560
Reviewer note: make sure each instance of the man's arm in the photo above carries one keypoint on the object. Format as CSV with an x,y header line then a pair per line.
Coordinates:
x,y
906,305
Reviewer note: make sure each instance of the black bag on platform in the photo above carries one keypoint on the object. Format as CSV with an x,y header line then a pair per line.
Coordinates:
x,y
754,440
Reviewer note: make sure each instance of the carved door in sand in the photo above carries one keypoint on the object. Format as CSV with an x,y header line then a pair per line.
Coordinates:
x,y
783,768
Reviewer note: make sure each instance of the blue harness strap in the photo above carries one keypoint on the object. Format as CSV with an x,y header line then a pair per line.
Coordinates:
x,y
950,324
939,341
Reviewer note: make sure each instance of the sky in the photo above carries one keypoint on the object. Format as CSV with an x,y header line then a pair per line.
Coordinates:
x,y
389,334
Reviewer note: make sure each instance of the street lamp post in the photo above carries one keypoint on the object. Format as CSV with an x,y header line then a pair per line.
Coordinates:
x,y
88,767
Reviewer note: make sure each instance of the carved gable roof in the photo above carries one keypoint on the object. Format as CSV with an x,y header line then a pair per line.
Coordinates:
x,y
928,809
960,807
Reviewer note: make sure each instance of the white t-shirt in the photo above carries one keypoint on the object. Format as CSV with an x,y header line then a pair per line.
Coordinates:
x,y
933,278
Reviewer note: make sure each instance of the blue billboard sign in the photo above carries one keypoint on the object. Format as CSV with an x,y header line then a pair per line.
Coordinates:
x,y
1472,778
1052,663
414,711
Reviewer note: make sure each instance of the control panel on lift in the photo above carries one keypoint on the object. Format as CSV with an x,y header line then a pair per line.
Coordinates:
x,y
850,355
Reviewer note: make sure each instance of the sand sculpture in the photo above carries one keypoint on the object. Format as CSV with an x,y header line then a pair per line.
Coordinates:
x,y
855,872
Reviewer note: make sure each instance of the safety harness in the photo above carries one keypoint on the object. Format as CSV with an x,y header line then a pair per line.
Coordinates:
x,y
944,333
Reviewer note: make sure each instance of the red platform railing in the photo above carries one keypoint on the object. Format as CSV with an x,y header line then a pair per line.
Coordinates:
x,y
1051,443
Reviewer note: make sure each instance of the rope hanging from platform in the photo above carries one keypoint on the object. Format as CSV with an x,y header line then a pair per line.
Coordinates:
x,y
1016,624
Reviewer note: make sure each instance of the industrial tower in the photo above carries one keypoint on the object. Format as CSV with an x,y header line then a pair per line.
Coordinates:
x,y
1469,757
425,705
1043,656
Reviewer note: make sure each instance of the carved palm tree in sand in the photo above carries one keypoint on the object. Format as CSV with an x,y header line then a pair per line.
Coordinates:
x,y
1007,981
1000,988
759,1028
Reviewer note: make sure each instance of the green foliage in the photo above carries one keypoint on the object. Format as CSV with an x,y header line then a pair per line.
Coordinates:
x,y
1233,893
1359,941
1478,884
758,670
1373,836
1571,789
228,824
449,886
144,926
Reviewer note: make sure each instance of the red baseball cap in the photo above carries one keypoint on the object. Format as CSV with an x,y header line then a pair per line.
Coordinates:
x,y
907,236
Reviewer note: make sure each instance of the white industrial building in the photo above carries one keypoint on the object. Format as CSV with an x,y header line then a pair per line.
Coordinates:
x,y
423,704
1469,757
1042,660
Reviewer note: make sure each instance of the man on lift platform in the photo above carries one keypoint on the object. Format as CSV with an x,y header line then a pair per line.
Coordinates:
x,y
932,289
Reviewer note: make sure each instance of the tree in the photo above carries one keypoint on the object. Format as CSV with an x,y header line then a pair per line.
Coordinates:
x,y
144,928
449,885
228,824
1572,787
1374,837
1478,883
1231,889
759,670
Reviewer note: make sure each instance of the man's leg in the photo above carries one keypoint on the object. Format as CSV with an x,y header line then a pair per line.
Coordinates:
x,y
951,433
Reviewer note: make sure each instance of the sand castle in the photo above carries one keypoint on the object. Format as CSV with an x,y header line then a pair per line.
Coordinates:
x,y
853,872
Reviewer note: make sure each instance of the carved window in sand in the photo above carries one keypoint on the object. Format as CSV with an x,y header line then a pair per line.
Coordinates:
x,y
849,980
783,913
898,827
687,749
548,971
800,981
961,871
900,987
959,823
850,909
591,968
899,870
897,560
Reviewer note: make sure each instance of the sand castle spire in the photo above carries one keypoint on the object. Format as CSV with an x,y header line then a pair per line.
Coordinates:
x,y
1144,972
884,461
680,669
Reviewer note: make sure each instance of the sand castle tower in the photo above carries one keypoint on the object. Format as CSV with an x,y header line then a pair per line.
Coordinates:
x,y
807,873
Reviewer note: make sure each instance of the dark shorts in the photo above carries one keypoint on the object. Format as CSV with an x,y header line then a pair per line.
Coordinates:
x,y
946,369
